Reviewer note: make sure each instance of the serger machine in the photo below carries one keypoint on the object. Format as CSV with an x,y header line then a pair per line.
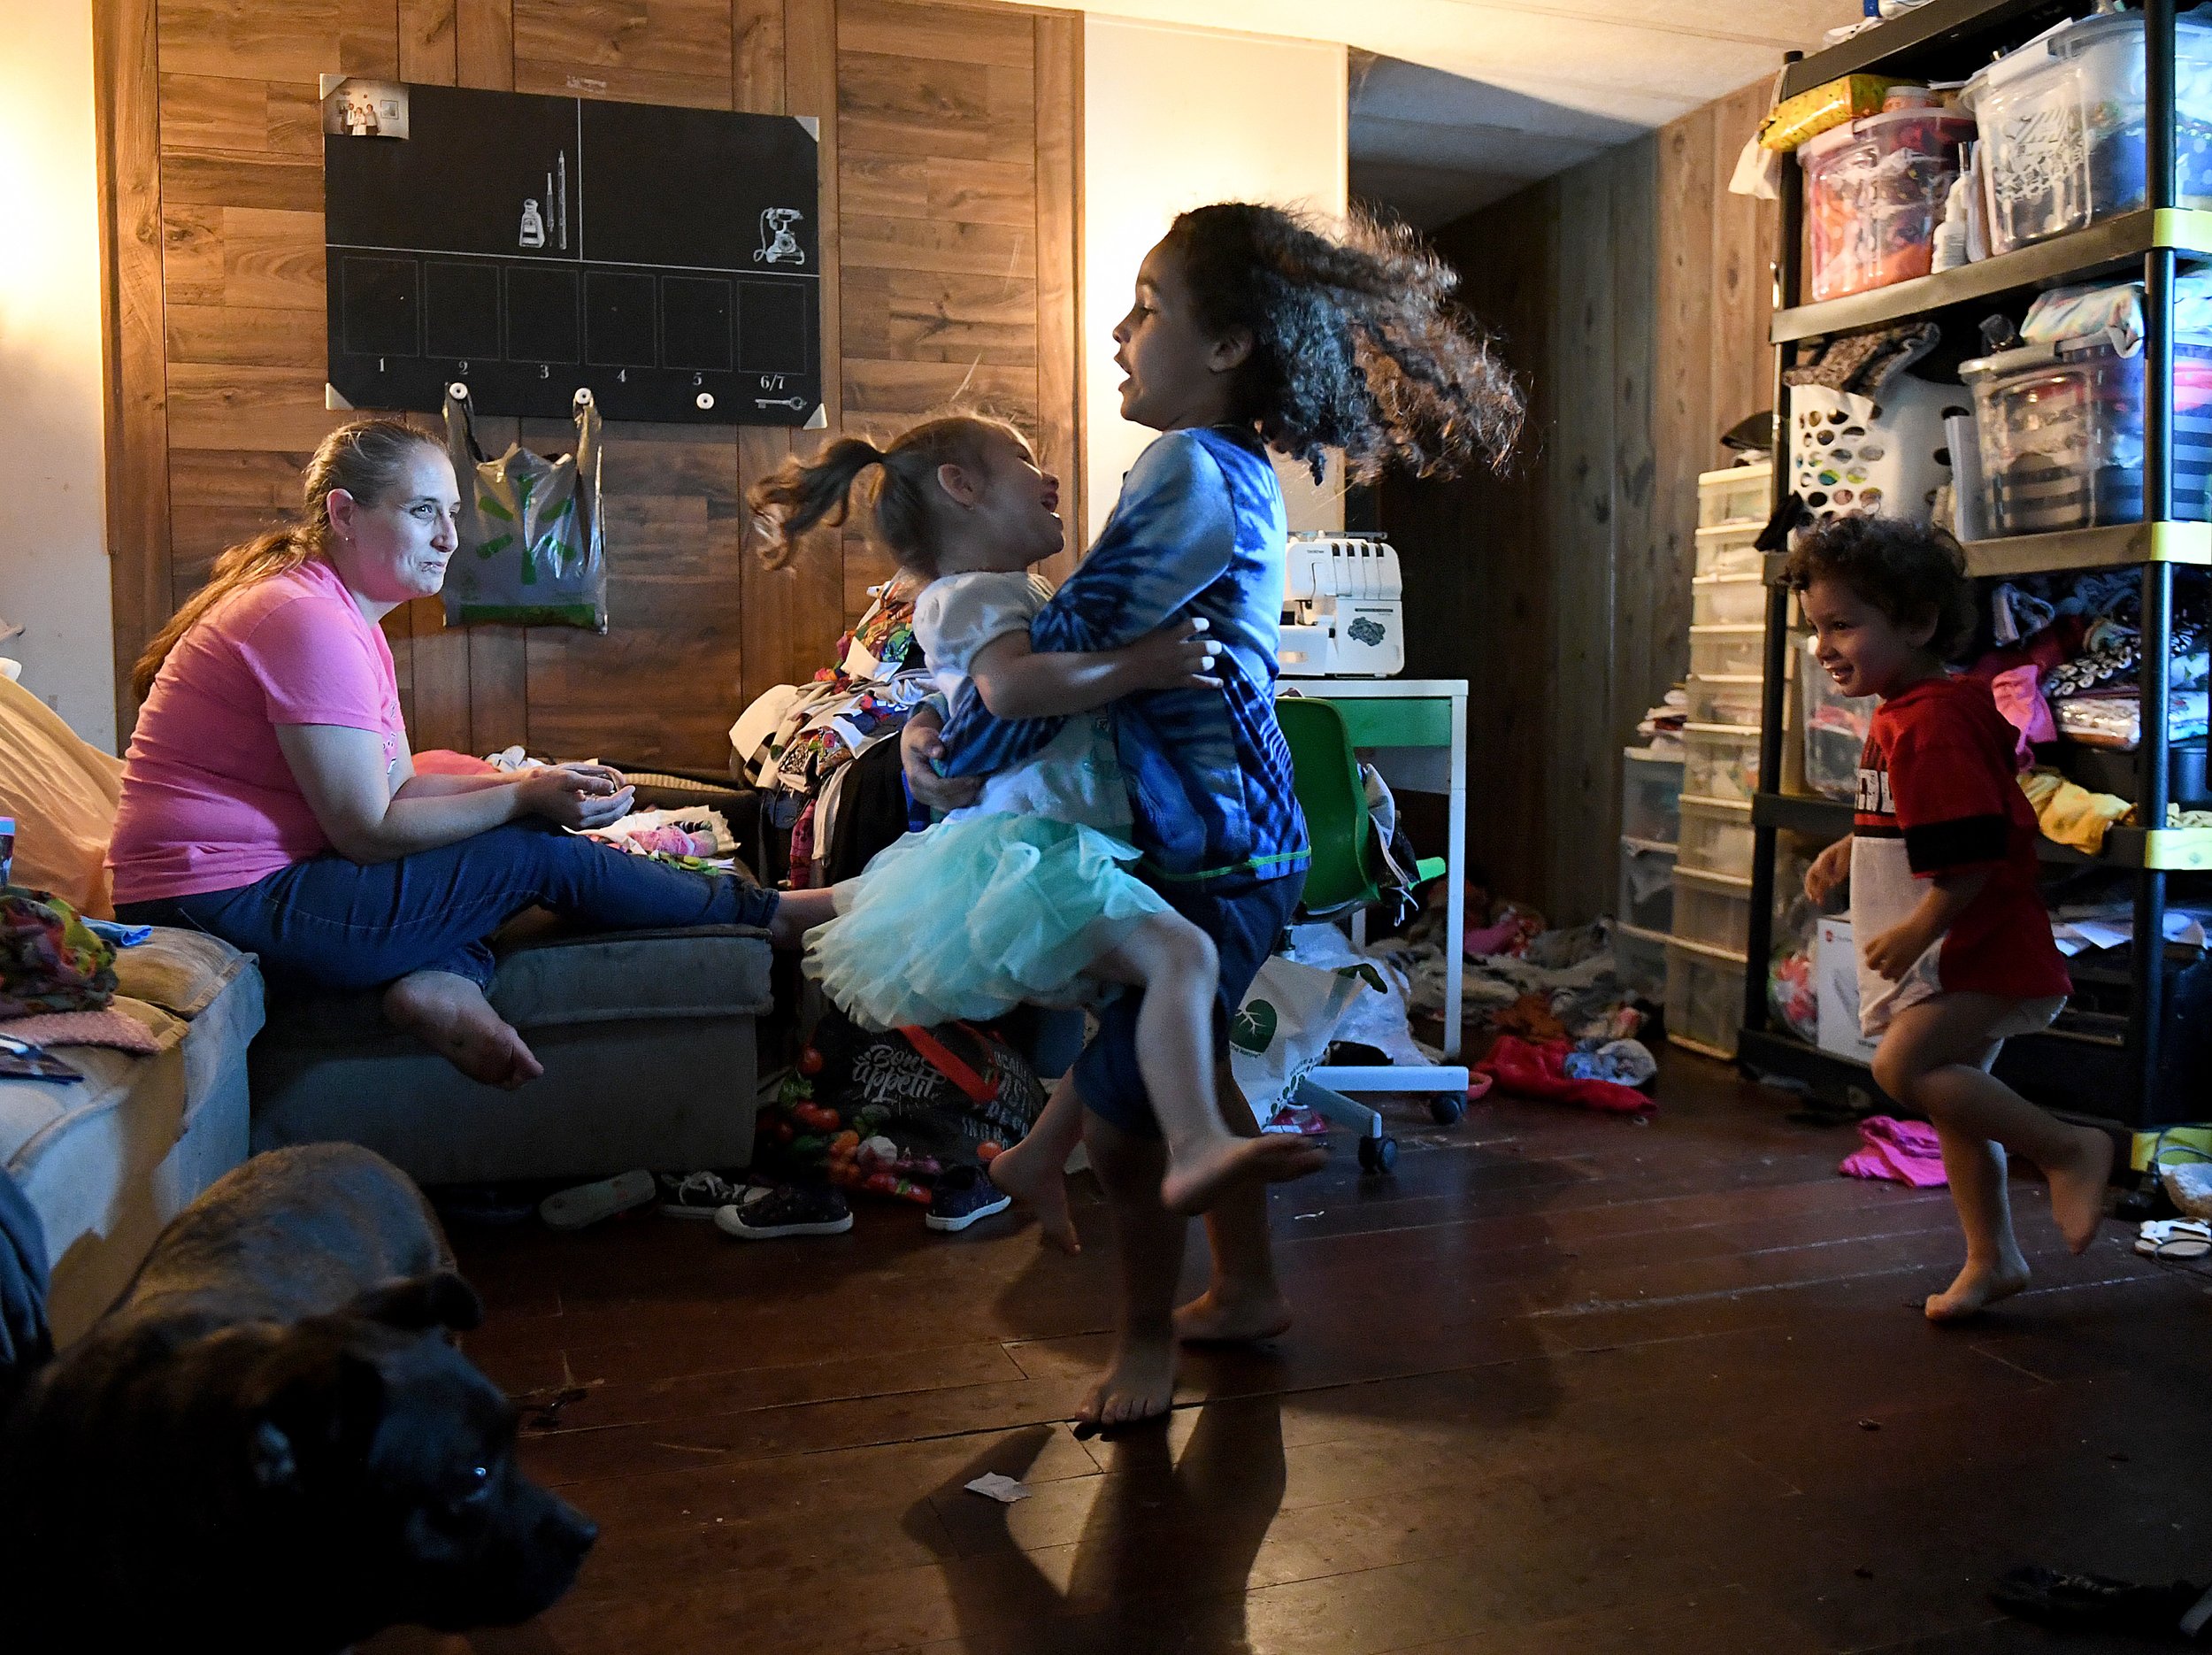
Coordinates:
x,y
1343,609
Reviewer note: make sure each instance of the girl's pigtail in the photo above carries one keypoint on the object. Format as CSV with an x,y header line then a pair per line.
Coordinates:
x,y
803,493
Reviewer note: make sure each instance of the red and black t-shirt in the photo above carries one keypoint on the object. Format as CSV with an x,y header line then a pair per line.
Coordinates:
x,y
1938,793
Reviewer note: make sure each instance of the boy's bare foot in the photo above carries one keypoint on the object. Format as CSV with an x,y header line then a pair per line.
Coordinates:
x,y
1225,1314
1979,1286
449,1014
1026,1173
1197,1178
1139,1385
2078,1189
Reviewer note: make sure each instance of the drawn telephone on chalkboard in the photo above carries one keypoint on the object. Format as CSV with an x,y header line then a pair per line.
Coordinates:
x,y
777,245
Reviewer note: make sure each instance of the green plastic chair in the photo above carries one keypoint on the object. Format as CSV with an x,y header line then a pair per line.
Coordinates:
x,y
1325,774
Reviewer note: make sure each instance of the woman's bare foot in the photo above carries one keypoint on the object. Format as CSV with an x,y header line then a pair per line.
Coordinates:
x,y
1229,1313
1027,1172
449,1014
1196,1177
1139,1385
1979,1285
2078,1189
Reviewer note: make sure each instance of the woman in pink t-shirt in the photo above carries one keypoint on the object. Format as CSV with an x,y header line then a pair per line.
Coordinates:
x,y
269,796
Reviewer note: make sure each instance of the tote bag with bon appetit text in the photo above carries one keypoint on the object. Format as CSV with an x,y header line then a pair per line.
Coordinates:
x,y
533,552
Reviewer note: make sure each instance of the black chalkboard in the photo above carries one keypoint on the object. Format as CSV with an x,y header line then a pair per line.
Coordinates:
x,y
666,259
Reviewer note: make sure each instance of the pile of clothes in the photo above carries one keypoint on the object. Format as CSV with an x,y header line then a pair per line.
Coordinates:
x,y
798,743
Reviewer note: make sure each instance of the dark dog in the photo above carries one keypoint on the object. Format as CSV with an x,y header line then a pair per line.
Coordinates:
x,y
271,1444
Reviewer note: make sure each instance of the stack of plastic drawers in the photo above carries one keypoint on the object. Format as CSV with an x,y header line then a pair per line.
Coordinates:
x,y
1711,919
1651,794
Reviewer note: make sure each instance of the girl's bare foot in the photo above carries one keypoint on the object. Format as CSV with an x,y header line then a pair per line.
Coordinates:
x,y
1139,1385
1027,1172
449,1014
1979,1285
1196,1177
1228,1313
2078,1189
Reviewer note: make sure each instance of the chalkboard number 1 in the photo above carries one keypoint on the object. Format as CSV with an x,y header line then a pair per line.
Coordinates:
x,y
380,365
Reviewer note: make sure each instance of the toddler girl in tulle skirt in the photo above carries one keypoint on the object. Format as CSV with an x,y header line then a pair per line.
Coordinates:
x,y
1028,895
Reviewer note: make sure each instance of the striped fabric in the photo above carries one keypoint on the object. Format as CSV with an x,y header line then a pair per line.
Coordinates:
x,y
1198,531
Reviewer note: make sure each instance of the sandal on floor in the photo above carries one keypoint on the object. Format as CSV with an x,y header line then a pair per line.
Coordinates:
x,y
2174,1238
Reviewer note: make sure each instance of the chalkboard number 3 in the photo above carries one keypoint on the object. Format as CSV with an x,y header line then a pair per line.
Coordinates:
x,y
544,373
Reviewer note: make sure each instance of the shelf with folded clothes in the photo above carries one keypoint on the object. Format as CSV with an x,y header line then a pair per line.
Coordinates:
x,y
2115,247
2174,850
2119,545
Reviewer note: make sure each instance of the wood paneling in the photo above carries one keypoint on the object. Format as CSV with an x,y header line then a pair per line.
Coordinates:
x,y
1632,294
949,239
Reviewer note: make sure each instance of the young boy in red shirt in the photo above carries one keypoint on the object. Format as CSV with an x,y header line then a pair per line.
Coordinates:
x,y
1954,946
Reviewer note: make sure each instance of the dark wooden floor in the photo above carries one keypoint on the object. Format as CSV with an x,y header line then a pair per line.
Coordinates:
x,y
1566,1383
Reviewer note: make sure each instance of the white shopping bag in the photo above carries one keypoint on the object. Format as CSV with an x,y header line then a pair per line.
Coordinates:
x,y
1284,1026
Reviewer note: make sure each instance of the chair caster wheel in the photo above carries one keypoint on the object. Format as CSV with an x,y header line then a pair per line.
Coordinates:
x,y
1378,1155
1446,1110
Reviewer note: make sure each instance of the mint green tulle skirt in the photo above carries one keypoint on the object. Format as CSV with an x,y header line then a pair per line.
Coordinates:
x,y
975,916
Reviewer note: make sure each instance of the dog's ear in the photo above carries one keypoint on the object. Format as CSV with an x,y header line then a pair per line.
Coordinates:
x,y
325,1404
441,1299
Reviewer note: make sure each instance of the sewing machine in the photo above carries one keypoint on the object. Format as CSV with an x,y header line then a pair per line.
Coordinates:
x,y
1343,609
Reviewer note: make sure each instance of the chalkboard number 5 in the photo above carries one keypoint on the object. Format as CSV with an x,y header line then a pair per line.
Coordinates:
x,y
698,379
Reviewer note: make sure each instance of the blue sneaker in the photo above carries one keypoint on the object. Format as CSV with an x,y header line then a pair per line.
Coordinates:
x,y
963,1194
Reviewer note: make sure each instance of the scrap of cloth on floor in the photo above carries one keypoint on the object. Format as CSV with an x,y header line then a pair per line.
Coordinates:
x,y
1539,1068
1901,1151
109,1027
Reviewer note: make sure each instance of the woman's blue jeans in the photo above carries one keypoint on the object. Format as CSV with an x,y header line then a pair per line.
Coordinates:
x,y
328,923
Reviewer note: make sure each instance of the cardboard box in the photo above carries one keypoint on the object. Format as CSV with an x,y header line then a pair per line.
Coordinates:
x,y
1836,988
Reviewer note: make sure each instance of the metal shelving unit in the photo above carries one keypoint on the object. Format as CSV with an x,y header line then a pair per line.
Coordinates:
x,y
2112,1071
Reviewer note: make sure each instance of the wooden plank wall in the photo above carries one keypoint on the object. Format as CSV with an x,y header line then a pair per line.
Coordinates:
x,y
1631,293
949,211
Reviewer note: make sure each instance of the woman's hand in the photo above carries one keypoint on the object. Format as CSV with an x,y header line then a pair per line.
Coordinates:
x,y
921,740
1178,656
580,797
1891,955
1830,869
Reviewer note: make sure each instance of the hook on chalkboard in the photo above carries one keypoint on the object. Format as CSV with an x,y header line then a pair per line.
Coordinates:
x,y
582,399
458,391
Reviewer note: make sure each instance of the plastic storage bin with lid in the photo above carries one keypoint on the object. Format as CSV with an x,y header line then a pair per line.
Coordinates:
x,y
1728,651
1640,960
1720,764
2061,123
1730,548
1736,494
1727,600
1716,837
1713,909
1874,193
2060,428
1836,727
1730,700
1704,997
1651,794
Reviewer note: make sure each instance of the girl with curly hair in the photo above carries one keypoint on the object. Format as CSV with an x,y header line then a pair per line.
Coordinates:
x,y
1253,328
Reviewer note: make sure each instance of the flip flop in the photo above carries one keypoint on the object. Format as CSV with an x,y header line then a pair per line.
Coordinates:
x,y
2174,1238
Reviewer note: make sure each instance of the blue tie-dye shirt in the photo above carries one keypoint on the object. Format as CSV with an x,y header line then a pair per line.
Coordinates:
x,y
1198,531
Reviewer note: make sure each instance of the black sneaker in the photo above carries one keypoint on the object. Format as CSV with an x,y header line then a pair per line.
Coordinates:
x,y
963,1194
696,1195
791,1209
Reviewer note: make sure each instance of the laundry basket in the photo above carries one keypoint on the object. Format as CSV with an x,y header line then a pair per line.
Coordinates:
x,y
1853,455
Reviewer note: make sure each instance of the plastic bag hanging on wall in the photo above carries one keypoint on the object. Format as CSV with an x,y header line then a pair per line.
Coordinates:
x,y
533,552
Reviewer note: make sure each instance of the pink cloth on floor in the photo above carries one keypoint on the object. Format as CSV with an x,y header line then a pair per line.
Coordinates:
x,y
1902,1151
111,1028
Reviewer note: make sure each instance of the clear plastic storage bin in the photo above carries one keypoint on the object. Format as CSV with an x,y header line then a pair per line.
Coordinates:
x,y
1712,908
2061,124
1704,998
1733,701
1874,192
1716,838
1835,729
1720,764
1640,960
1727,549
1736,494
1728,651
1727,600
1651,792
2060,428
1647,899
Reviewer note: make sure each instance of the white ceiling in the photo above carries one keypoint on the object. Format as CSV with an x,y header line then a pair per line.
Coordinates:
x,y
1456,104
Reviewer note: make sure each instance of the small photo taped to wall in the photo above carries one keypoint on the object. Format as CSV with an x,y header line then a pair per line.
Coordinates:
x,y
356,107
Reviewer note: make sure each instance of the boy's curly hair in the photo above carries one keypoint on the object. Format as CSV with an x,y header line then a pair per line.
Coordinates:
x,y
1906,571
1356,342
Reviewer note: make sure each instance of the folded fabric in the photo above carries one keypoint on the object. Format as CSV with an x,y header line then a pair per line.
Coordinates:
x,y
121,935
109,1027
1538,1069
2020,699
2069,812
1902,1151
